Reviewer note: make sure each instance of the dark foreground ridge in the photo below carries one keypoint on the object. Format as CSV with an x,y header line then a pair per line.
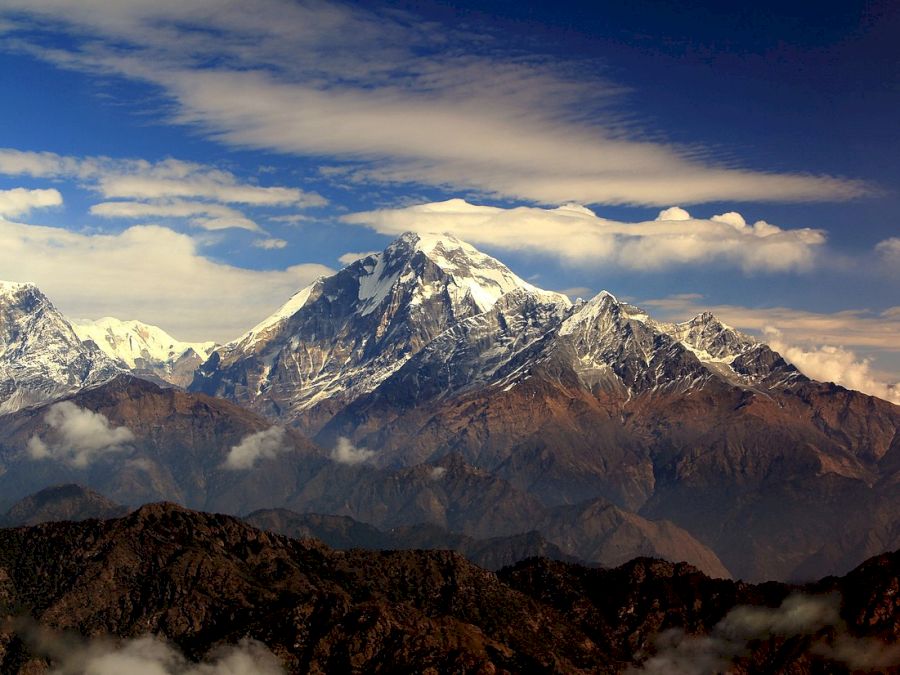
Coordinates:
x,y
203,581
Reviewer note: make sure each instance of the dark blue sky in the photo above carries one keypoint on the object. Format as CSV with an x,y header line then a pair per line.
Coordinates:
x,y
784,112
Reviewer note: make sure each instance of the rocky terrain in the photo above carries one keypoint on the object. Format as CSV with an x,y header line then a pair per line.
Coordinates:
x,y
438,388
41,357
80,594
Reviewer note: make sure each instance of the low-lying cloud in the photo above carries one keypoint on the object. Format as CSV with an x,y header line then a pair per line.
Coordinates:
x,y
77,436
677,653
577,235
71,654
264,444
346,453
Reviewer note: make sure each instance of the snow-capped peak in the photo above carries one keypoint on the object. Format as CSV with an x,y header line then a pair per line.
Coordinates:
x,y
12,289
471,273
41,357
709,339
7,287
137,344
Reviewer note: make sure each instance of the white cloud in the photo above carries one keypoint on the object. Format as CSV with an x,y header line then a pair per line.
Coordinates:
x,y
19,201
578,292
202,214
170,188
575,234
149,655
77,436
828,363
263,444
164,209
889,249
291,219
678,653
137,179
270,243
347,453
350,257
673,213
502,125
148,272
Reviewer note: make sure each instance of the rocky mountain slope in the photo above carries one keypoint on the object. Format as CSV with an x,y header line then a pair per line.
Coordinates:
x,y
610,432
145,350
180,444
41,357
135,442
203,581
344,334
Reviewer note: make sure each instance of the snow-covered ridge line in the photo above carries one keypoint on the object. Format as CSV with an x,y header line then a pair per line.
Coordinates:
x,y
131,341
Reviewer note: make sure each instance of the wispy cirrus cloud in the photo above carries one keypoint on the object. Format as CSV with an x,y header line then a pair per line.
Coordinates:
x,y
411,102
576,234
169,188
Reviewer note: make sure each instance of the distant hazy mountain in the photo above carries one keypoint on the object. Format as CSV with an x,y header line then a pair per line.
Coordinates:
x,y
61,502
41,356
146,349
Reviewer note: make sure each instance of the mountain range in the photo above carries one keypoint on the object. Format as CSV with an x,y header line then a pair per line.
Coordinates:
x,y
428,384
101,596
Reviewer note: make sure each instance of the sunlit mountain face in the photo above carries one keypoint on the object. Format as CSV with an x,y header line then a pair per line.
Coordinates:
x,y
503,337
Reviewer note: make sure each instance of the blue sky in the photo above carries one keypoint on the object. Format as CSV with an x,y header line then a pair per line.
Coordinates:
x,y
163,160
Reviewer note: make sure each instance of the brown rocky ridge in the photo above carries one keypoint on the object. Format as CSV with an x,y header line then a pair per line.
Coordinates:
x,y
202,581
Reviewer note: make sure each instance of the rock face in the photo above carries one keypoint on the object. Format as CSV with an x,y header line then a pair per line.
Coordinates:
x,y
41,357
146,350
202,581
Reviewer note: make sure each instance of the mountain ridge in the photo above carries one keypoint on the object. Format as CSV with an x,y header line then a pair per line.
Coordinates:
x,y
203,580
